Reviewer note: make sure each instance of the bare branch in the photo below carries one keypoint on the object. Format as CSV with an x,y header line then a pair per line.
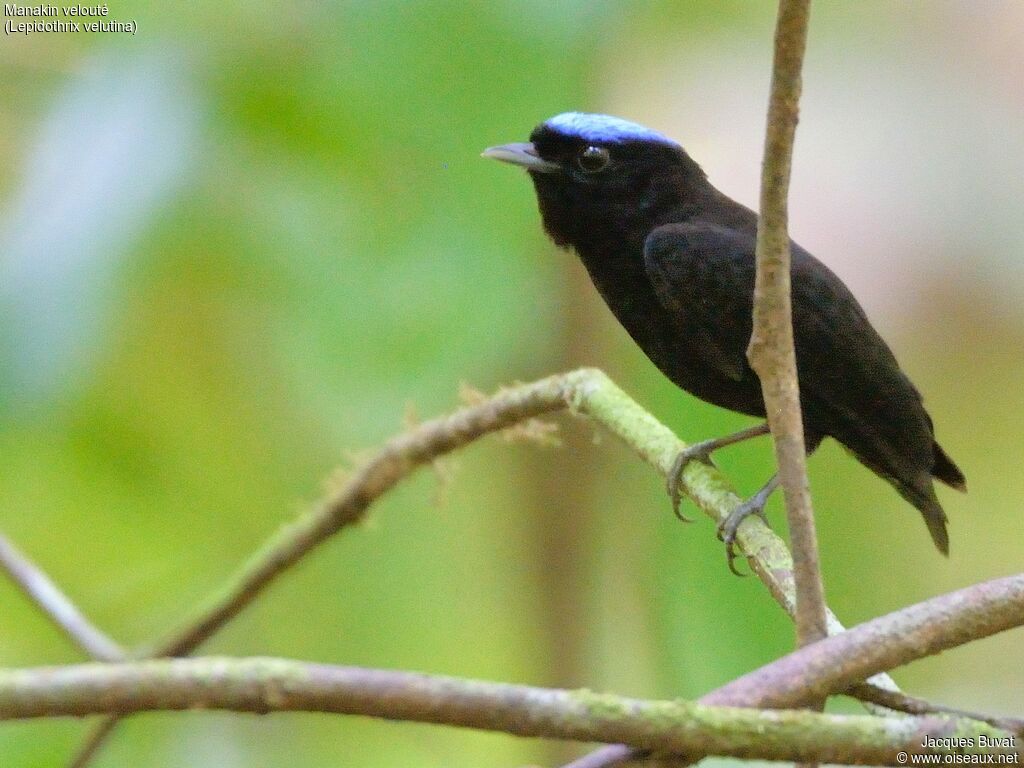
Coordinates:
x,y
94,742
900,702
279,685
57,606
835,663
771,350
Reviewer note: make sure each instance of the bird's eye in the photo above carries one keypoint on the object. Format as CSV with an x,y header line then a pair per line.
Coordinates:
x,y
593,159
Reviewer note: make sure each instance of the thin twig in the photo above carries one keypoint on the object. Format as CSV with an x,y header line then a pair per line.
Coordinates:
x,y
263,685
93,742
771,351
56,606
911,705
587,391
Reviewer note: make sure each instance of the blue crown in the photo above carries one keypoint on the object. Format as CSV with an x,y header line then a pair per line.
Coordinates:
x,y
603,128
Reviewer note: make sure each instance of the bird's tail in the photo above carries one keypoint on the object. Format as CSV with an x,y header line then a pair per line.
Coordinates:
x,y
919,490
945,470
922,495
916,486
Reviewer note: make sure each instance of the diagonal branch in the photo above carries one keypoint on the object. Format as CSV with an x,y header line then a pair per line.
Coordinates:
x,y
840,661
263,685
587,391
58,608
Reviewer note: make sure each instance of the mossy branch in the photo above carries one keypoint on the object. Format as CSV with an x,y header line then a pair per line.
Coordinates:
x,y
262,685
587,391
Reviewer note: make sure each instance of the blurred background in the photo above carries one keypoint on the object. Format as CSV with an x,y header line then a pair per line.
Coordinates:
x,y
240,248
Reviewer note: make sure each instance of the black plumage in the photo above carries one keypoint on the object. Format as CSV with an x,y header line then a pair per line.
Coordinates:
x,y
674,260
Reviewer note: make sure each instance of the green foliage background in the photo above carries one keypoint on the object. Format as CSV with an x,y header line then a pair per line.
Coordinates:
x,y
268,239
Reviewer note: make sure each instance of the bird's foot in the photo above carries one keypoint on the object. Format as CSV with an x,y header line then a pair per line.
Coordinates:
x,y
727,528
702,452
753,506
697,452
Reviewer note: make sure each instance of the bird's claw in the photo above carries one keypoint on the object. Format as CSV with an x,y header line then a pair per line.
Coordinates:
x,y
698,452
727,528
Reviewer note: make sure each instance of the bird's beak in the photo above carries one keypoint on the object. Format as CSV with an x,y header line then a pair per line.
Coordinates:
x,y
523,154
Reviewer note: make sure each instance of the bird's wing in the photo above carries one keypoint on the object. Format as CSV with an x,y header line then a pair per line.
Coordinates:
x,y
851,386
875,408
703,275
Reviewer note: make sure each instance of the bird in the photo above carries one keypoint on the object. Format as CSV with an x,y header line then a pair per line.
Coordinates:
x,y
673,258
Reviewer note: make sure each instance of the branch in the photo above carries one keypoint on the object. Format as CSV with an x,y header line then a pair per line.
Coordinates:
x,y
57,606
399,457
279,685
900,702
587,391
838,662
771,351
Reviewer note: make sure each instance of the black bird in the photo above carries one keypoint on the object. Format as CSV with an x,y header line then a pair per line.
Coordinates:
x,y
674,260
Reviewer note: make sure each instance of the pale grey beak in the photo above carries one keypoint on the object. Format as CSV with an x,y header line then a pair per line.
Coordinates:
x,y
523,154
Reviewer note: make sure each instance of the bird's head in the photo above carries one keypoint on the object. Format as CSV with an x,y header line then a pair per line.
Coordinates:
x,y
596,173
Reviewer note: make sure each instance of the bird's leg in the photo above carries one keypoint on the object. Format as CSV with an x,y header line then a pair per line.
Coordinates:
x,y
752,506
702,452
